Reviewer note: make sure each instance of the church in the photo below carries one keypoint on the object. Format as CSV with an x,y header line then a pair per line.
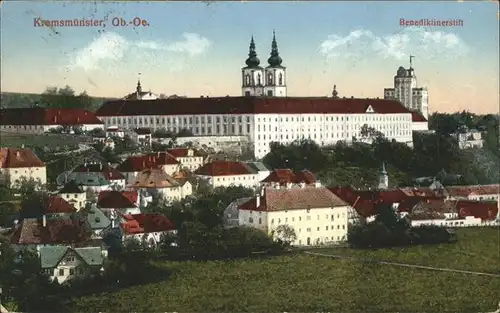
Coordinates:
x,y
267,81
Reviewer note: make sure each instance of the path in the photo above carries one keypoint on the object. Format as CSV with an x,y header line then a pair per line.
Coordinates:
x,y
402,264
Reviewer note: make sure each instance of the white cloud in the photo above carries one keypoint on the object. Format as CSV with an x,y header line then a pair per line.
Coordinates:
x,y
111,48
416,41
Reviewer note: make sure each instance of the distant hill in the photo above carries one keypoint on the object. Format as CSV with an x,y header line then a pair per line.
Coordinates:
x,y
26,100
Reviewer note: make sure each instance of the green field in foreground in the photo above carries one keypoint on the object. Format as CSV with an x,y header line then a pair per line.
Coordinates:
x,y
306,284
37,140
477,249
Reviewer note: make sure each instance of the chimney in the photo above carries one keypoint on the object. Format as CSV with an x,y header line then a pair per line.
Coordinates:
x,y
22,146
18,154
257,201
263,191
44,220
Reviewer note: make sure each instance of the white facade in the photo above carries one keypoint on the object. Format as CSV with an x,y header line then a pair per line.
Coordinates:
x,y
408,93
13,176
78,200
246,180
312,227
170,194
40,129
420,126
275,82
262,129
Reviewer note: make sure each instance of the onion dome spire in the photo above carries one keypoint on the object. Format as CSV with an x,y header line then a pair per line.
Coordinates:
x,y
252,60
275,59
139,87
335,93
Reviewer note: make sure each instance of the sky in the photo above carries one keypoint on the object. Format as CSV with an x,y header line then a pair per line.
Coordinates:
x,y
197,48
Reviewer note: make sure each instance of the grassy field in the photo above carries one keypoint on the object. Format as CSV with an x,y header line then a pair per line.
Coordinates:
x,y
477,249
37,140
302,283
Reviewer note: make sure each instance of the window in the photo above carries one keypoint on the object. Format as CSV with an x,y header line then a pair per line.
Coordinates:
x,y
72,271
270,79
281,79
70,259
61,272
247,79
259,79
269,93
260,220
250,219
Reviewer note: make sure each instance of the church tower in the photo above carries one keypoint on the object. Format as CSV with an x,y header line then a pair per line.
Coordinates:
x,y
383,182
275,73
252,75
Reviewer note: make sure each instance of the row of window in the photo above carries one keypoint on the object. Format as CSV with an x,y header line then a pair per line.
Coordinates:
x,y
342,127
180,120
361,118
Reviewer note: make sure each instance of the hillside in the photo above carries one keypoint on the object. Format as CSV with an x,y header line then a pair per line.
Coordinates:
x,y
24,100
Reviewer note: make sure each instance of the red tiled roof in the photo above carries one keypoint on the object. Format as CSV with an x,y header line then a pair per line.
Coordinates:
x,y
482,210
141,162
417,117
108,172
286,176
16,158
479,190
113,199
224,168
249,105
294,199
55,205
56,231
183,152
146,223
47,116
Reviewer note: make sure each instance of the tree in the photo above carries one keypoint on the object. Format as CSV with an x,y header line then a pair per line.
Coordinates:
x,y
285,234
65,97
185,132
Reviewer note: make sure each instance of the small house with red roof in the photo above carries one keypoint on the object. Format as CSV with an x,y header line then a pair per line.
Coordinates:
x,y
19,164
316,214
228,173
115,131
287,178
419,122
41,120
475,192
189,158
156,183
147,228
135,164
124,202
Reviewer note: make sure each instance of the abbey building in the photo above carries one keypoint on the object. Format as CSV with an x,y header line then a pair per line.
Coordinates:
x,y
259,81
407,91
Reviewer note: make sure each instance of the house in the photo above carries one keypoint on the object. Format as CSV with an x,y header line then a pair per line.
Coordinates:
x,y
487,211
50,205
141,136
40,120
228,173
33,233
477,192
63,263
260,168
97,221
231,213
135,164
191,159
156,182
74,194
147,228
115,132
284,177
94,176
469,138
317,215
19,164
109,200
